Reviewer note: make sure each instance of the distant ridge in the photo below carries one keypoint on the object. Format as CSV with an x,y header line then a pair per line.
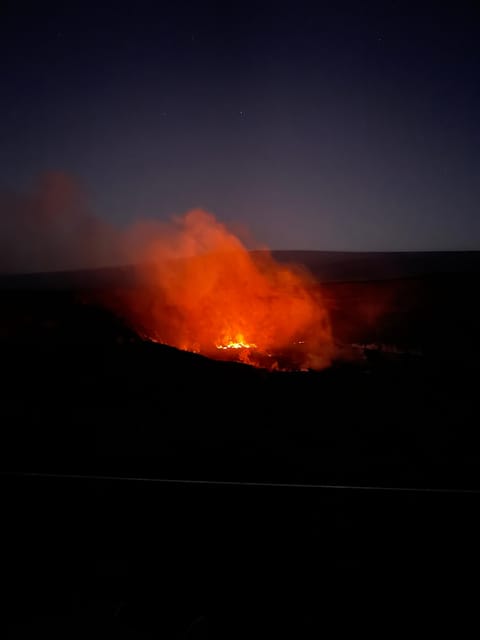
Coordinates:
x,y
101,278
327,266
340,266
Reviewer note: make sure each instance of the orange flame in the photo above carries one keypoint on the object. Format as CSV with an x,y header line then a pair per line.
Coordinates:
x,y
203,291
238,343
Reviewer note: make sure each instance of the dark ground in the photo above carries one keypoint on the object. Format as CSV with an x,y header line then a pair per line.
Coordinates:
x,y
83,396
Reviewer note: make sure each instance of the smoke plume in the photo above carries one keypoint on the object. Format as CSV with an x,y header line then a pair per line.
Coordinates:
x,y
52,229
198,287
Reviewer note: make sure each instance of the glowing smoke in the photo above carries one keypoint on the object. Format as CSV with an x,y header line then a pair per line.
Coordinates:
x,y
199,288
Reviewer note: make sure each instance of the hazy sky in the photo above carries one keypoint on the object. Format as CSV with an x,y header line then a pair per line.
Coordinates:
x,y
331,125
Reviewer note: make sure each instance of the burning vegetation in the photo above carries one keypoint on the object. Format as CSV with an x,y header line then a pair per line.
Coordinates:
x,y
201,290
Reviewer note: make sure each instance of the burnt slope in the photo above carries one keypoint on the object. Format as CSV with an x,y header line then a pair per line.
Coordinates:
x,y
82,392
83,398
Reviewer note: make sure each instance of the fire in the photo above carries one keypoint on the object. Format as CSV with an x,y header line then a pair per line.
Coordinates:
x,y
239,343
203,291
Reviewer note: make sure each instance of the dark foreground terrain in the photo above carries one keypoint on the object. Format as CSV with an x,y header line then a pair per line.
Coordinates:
x,y
288,494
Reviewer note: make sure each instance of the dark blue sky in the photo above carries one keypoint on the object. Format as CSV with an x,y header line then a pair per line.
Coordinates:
x,y
336,126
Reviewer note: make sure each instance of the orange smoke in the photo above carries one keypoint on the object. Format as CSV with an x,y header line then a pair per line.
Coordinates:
x,y
203,291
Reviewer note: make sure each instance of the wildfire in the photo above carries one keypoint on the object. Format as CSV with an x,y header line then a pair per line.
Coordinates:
x,y
203,291
237,341
239,344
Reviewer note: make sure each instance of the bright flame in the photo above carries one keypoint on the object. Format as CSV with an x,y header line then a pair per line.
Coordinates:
x,y
238,343
203,291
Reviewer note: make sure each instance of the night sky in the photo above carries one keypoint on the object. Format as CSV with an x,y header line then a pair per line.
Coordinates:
x,y
333,126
